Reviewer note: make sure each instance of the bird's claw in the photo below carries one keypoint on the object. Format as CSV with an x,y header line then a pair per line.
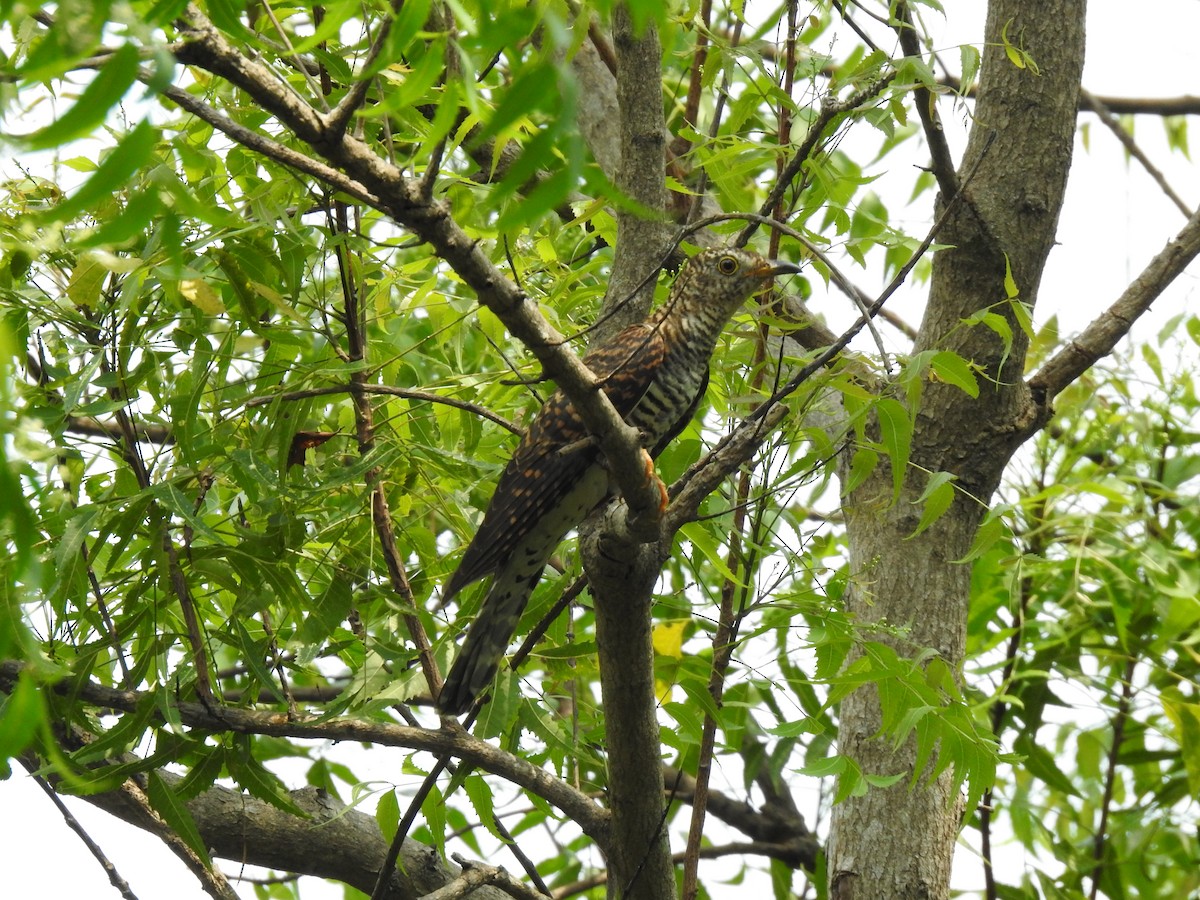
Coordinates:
x,y
653,476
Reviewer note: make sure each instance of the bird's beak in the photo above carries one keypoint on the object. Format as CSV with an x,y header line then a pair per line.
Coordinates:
x,y
775,267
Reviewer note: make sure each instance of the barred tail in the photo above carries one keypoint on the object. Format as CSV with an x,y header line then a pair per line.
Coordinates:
x,y
487,640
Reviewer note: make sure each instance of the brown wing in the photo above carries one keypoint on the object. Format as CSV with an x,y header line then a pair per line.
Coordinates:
x,y
553,455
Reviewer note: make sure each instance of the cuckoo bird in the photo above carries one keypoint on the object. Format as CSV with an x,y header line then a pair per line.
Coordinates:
x,y
655,373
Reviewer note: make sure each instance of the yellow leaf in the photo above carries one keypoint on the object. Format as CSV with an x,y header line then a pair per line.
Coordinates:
x,y
201,295
668,638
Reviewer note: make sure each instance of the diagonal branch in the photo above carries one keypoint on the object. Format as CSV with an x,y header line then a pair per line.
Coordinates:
x,y
1122,134
1102,335
384,187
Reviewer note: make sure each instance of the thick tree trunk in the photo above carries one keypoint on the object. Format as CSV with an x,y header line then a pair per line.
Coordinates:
x,y
898,842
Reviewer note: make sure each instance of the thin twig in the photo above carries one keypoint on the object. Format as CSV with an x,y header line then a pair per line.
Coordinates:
x,y
337,120
1096,105
114,877
700,55
1120,717
392,390
830,110
315,87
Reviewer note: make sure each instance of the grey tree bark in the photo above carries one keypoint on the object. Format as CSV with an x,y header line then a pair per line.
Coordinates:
x,y
621,569
898,842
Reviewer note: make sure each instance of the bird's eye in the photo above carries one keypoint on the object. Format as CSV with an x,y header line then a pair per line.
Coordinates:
x,y
727,265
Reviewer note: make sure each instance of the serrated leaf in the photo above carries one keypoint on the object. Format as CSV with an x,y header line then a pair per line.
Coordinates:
x,y
895,430
935,500
862,464
989,532
1011,291
434,811
260,783
176,814
953,369
88,112
387,813
479,794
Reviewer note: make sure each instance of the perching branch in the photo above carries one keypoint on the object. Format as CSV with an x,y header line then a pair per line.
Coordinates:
x,y
384,187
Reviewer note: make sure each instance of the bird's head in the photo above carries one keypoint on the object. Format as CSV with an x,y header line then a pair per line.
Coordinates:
x,y
714,283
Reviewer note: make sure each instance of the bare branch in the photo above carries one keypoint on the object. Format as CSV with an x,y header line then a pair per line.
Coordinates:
x,y
114,877
1100,337
1127,141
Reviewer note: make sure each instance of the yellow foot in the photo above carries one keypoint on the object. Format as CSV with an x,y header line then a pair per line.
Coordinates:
x,y
653,476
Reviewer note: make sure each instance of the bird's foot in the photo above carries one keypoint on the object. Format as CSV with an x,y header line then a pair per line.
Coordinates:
x,y
653,476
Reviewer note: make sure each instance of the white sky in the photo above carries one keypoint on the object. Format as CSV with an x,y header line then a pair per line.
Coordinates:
x,y
1114,221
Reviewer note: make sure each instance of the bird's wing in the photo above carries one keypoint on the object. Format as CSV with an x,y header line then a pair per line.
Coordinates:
x,y
554,454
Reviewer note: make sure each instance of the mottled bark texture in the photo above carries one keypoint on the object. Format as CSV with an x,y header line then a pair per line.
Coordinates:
x,y
1023,128
621,570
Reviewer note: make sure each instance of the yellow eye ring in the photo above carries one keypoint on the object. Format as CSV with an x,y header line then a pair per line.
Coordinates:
x,y
727,265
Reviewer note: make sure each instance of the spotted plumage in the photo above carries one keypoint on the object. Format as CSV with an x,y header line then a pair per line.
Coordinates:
x,y
655,373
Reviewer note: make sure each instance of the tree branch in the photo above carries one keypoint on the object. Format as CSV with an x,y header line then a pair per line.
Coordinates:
x,y
926,103
1127,141
621,565
1100,337
591,818
385,188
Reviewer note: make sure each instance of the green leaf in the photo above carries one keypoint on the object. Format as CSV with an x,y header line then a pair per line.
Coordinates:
x,y
103,92
250,774
862,464
479,793
409,20
935,499
176,814
434,810
953,369
534,89
969,63
20,716
118,167
989,532
1186,719
387,813
896,431
1011,291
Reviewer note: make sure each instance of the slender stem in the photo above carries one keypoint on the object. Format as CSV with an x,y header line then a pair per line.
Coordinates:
x,y
114,877
1110,778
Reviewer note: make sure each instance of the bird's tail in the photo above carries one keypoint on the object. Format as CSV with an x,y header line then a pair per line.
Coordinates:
x,y
487,641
